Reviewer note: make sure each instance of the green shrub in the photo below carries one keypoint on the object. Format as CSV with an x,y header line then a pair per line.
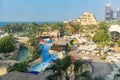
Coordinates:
x,y
20,67
103,58
118,42
100,36
6,44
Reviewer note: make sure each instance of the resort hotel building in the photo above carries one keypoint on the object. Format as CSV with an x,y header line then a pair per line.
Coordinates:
x,y
86,19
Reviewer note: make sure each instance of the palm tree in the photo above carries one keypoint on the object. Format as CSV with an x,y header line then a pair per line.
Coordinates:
x,y
33,41
78,70
99,78
24,26
56,69
33,48
60,68
85,75
66,68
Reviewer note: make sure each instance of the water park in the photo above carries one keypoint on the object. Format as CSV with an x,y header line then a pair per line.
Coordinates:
x,y
37,54
47,58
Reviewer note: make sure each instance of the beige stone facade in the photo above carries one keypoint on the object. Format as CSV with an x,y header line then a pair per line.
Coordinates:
x,y
87,19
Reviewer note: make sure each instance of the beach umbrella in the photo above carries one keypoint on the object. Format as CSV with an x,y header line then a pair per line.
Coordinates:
x,y
73,42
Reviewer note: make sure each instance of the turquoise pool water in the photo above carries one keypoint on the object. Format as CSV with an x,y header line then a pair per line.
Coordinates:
x,y
46,59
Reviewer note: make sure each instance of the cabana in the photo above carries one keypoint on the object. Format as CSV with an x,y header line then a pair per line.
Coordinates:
x,y
115,31
114,28
59,45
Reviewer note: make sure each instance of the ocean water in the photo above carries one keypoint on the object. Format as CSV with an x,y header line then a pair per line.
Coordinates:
x,y
5,23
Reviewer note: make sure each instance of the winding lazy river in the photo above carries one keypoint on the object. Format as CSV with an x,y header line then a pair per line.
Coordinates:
x,y
46,57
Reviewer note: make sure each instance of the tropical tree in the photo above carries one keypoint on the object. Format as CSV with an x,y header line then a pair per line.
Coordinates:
x,y
57,26
109,40
100,36
60,68
76,26
20,67
25,27
56,69
7,44
103,26
33,41
78,67
84,76
33,48
66,68
62,32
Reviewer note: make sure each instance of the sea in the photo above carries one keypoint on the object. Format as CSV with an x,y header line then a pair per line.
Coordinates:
x,y
2,24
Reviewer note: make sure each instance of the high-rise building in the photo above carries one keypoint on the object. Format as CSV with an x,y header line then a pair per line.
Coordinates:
x,y
108,12
111,14
114,15
118,13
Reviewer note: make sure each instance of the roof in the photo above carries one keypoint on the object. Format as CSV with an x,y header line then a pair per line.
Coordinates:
x,y
114,28
60,42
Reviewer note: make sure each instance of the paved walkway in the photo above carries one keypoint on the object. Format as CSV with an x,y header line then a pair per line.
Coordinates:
x,y
101,69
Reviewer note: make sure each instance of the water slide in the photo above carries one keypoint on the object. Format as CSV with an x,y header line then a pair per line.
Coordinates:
x,y
46,58
22,54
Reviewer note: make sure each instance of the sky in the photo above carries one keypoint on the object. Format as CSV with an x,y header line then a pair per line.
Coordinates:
x,y
51,10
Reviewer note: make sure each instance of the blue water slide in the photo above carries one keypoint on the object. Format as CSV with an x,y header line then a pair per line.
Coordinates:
x,y
46,59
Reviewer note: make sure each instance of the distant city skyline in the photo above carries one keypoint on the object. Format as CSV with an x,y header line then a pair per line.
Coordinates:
x,y
52,10
110,13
